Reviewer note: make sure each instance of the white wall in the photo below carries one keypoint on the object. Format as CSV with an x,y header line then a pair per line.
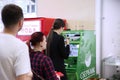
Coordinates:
x,y
110,33
111,28
78,12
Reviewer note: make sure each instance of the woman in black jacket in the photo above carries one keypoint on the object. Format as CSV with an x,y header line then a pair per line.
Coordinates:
x,y
57,50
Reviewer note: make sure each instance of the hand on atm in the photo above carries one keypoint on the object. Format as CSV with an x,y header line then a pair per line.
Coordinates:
x,y
67,41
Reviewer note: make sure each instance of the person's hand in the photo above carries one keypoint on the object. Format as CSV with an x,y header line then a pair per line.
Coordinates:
x,y
67,42
59,74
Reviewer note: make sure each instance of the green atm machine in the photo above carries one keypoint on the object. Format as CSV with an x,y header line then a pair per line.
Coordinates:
x,y
81,63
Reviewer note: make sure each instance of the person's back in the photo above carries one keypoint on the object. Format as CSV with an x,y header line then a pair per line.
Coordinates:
x,y
10,54
57,55
14,55
56,48
42,66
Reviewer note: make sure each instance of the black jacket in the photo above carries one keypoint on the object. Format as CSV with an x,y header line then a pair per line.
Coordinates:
x,y
59,52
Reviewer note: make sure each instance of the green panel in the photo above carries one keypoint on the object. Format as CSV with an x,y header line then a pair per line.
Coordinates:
x,y
72,76
86,66
81,63
71,62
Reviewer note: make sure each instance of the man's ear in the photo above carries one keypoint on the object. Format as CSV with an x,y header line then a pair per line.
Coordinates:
x,y
20,24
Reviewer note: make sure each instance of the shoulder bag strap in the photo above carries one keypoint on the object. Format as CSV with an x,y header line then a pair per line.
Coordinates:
x,y
40,77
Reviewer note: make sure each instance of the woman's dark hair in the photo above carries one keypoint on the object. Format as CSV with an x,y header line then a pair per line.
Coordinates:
x,y
36,37
11,14
58,23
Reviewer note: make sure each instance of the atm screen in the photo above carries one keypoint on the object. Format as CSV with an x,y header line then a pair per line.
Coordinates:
x,y
73,36
74,48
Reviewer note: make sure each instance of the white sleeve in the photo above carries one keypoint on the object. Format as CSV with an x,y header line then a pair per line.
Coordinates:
x,y
22,62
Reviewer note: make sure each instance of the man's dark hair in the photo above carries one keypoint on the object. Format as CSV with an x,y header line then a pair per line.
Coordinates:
x,y
11,14
58,23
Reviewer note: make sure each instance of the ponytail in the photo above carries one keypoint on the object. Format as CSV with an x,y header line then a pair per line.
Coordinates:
x,y
29,46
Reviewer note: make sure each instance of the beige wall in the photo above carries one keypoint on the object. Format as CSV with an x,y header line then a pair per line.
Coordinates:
x,y
78,13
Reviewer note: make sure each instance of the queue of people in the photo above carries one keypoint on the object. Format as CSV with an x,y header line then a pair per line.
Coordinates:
x,y
40,60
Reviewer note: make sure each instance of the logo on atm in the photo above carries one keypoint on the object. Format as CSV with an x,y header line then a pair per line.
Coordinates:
x,y
88,58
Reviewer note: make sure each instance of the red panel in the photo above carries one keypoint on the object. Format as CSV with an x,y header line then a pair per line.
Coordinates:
x,y
46,24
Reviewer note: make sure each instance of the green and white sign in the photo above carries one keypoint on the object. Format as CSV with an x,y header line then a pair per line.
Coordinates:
x,y
86,65
81,63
